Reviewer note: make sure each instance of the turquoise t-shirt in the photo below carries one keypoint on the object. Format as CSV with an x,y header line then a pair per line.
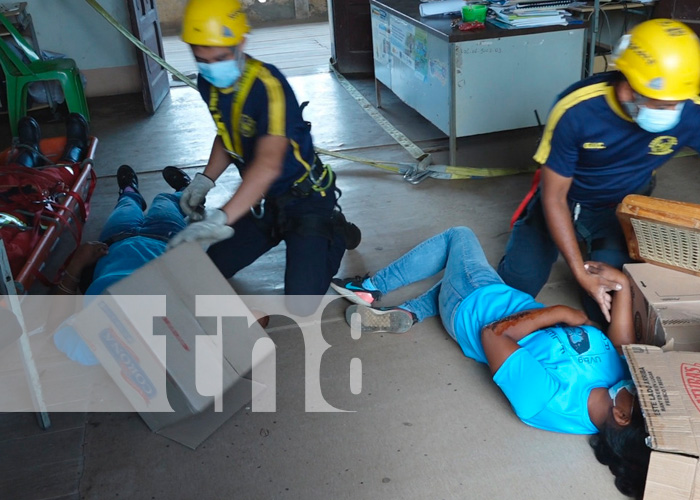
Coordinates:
x,y
483,306
549,379
125,257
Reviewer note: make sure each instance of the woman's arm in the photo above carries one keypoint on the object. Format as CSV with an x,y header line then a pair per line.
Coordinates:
x,y
500,338
86,255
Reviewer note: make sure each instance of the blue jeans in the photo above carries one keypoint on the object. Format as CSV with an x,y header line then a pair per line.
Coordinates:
x,y
163,219
459,253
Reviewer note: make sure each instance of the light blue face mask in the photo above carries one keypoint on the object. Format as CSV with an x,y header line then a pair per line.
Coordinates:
x,y
653,120
659,120
221,74
622,384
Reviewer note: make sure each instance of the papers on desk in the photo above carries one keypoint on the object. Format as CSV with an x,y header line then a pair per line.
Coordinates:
x,y
530,13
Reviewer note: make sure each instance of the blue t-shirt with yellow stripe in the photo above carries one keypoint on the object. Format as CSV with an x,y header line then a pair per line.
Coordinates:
x,y
261,103
590,138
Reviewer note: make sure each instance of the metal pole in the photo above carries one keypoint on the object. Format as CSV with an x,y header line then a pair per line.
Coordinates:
x,y
8,287
594,36
452,103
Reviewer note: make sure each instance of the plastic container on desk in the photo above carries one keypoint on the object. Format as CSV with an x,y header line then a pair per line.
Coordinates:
x,y
474,12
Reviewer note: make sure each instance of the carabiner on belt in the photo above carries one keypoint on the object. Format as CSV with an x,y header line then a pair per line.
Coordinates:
x,y
258,211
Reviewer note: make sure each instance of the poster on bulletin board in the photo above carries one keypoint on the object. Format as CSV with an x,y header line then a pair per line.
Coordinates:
x,y
420,52
382,45
402,41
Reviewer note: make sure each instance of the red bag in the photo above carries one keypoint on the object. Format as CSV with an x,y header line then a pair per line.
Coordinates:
x,y
18,245
31,195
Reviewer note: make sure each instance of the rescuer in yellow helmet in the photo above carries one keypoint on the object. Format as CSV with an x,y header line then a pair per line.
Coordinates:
x,y
286,192
605,137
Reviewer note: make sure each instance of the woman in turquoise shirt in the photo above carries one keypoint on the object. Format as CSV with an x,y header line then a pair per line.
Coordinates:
x,y
559,372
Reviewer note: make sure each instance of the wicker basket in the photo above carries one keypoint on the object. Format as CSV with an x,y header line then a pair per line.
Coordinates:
x,y
662,232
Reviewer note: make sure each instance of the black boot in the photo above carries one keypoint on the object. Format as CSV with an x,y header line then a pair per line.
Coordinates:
x,y
76,139
351,233
29,135
176,178
126,177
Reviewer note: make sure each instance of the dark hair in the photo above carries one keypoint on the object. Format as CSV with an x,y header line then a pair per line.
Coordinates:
x,y
624,451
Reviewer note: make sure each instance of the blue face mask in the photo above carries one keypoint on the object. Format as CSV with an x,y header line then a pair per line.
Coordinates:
x,y
221,74
659,120
622,384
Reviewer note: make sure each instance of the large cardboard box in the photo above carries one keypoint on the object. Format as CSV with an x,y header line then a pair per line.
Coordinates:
x,y
179,343
666,303
675,327
668,387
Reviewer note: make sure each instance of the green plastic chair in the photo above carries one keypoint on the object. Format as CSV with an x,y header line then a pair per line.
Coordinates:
x,y
19,74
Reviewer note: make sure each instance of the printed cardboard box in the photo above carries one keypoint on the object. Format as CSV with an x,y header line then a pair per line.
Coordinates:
x,y
179,343
668,386
656,288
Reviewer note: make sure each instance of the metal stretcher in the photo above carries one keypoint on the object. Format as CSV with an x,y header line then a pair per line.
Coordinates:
x,y
58,241
48,256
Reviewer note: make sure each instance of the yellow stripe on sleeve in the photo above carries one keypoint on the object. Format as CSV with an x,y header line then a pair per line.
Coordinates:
x,y
277,105
560,108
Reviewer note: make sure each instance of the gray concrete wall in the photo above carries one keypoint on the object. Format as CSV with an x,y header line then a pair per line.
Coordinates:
x,y
107,59
75,29
170,11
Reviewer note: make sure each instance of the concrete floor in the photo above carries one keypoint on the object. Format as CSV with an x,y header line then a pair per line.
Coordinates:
x,y
429,423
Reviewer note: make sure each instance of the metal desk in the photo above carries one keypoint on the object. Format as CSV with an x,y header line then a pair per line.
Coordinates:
x,y
468,83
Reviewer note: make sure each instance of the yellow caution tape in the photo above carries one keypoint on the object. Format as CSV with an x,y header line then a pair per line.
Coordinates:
x,y
435,171
417,172
685,152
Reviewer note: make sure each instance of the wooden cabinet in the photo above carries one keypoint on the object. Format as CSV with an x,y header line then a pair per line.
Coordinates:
x,y
351,36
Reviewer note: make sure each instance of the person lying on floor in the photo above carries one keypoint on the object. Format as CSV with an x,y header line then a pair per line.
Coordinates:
x,y
559,372
128,241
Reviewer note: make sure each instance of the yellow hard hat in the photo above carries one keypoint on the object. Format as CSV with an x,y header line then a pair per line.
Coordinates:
x,y
661,60
214,23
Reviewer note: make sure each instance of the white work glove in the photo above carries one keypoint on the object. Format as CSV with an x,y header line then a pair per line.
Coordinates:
x,y
207,232
193,196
